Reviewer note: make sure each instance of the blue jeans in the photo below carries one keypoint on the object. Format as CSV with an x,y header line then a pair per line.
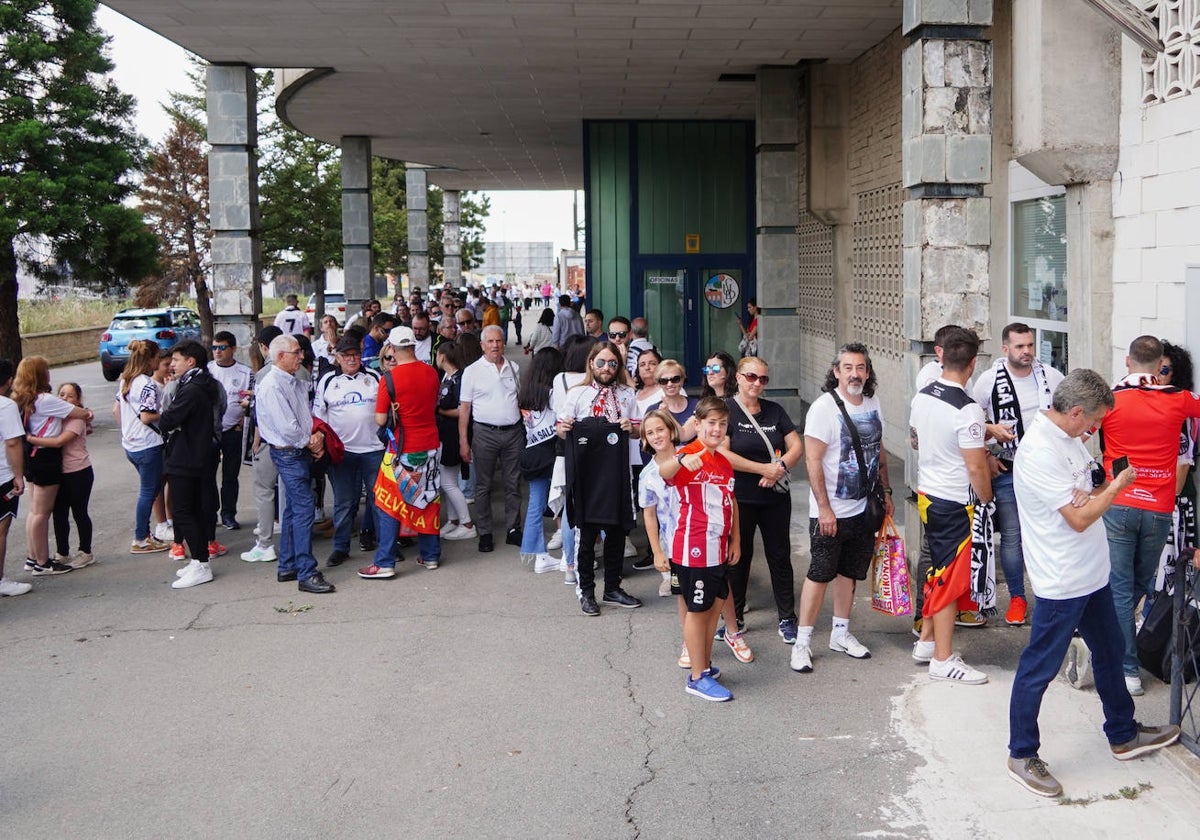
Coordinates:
x,y
387,529
1135,542
295,536
1012,561
357,470
149,466
533,538
1054,623
568,534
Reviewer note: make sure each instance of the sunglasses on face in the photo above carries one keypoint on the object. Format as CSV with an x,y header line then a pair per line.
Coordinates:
x,y
601,364
707,369
670,380
756,377
220,348
388,358
614,335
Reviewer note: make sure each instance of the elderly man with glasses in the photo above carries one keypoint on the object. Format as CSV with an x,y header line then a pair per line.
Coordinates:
x,y
464,319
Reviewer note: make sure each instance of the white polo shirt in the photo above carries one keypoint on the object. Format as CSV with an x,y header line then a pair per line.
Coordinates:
x,y
944,426
492,392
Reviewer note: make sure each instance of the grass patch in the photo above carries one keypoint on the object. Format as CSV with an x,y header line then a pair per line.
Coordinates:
x,y
40,315
1128,792
293,609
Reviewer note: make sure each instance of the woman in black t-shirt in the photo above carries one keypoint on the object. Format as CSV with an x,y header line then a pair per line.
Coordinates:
x,y
761,503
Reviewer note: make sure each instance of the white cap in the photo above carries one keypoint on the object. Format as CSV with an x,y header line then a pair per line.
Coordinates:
x,y
402,337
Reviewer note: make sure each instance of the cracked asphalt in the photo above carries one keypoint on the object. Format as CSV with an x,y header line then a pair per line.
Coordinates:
x,y
477,701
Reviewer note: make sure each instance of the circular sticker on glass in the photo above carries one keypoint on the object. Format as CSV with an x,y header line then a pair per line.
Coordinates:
x,y
721,291
612,438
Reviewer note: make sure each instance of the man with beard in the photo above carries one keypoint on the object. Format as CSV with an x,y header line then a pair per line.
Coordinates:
x,y
422,335
599,491
1012,392
841,541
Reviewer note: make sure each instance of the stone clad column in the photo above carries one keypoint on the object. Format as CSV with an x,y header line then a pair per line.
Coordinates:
x,y
357,257
451,237
233,201
416,184
777,261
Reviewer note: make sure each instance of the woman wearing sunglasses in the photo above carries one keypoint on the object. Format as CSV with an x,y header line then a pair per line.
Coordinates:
x,y
719,379
669,376
761,470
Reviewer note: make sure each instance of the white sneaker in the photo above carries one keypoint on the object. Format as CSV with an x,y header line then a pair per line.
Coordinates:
x,y
276,527
1134,685
463,532
847,644
801,658
260,554
555,542
955,670
13,587
922,652
447,528
182,569
164,532
194,574
630,549
570,578
543,563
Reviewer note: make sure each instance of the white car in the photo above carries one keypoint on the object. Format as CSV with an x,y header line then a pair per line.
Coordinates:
x,y
335,305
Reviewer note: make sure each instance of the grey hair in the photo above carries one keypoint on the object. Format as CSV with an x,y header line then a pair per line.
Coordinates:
x,y
1084,388
491,328
279,345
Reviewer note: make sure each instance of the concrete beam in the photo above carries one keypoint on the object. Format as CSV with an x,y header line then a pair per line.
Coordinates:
x,y
358,259
828,144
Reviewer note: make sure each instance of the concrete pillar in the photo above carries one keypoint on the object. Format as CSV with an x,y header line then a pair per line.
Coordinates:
x,y
1090,238
451,238
416,185
231,101
777,212
357,222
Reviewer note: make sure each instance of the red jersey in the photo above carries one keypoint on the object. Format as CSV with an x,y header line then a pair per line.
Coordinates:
x,y
417,387
1145,425
705,509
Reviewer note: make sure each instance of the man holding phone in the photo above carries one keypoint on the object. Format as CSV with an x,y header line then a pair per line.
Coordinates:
x,y
1143,428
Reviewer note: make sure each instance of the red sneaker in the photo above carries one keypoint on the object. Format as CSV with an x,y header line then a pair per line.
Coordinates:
x,y
373,571
1015,616
177,551
215,549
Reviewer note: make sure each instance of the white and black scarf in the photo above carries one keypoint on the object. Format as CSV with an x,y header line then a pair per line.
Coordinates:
x,y
1006,406
983,556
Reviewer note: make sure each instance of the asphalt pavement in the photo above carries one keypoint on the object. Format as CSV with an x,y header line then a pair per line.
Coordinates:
x,y
477,701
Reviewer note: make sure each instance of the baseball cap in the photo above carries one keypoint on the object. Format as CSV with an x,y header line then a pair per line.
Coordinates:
x,y
347,343
402,337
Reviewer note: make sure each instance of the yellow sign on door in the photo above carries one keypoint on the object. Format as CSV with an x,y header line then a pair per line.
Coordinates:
x,y
691,243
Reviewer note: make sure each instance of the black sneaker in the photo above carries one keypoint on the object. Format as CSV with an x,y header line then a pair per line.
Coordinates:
x,y
621,598
587,602
229,523
485,543
337,558
513,537
645,563
52,567
367,541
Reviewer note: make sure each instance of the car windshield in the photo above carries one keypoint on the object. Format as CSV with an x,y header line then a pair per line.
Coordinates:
x,y
140,322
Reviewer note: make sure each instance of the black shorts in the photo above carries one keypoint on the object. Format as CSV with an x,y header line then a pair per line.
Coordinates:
x,y
700,586
8,507
847,553
45,467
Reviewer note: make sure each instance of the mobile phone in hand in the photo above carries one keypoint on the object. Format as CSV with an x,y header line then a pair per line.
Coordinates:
x,y
1120,465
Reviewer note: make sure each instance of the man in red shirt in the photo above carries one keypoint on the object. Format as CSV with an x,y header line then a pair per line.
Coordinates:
x,y
1144,427
412,500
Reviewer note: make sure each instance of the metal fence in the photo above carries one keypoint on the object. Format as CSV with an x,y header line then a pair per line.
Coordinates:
x,y
1185,660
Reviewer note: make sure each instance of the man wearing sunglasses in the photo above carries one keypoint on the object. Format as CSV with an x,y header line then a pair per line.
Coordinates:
x,y
238,382
618,334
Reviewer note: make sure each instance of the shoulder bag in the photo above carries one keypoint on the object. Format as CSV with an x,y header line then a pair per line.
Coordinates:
x,y
784,485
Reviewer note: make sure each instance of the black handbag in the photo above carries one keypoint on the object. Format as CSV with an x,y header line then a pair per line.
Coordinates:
x,y
876,496
538,461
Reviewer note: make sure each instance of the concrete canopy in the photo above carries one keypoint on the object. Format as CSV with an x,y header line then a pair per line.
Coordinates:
x,y
491,93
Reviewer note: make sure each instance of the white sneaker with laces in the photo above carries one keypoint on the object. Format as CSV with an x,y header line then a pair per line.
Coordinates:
x,y
164,532
955,670
1133,683
463,532
922,652
9,588
182,569
260,554
801,658
543,563
555,542
194,574
447,528
847,644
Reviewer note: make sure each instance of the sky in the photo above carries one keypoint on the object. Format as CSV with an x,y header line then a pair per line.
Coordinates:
x,y
148,65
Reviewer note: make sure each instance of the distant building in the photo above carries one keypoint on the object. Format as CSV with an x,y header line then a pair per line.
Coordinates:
x,y
520,259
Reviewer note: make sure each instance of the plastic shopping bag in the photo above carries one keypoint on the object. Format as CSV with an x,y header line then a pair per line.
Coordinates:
x,y
891,589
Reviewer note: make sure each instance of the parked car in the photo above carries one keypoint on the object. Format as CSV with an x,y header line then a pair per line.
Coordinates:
x,y
166,327
335,305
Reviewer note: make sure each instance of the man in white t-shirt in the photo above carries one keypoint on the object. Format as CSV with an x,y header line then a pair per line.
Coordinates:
x,y
292,320
1066,556
840,540
12,472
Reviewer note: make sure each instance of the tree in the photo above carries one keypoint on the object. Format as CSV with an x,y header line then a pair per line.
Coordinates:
x,y
67,145
471,214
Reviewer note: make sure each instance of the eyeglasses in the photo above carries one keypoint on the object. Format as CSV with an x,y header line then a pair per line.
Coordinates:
x,y
707,369
297,351
615,335
220,348
669,380
465,323
1165,370
756,377
601,364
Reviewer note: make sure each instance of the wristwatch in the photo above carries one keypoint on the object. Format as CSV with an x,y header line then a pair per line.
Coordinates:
x,y
887,490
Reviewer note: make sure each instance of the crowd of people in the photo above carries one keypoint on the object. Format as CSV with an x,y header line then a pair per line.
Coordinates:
x,y
417,416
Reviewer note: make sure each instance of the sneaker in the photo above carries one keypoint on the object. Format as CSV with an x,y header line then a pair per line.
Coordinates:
x,y
969,618
711,671
1033,775
737,644
30,564
787,631
631,549
486,543
720,634
463,532
569,577
229,523
643,564
447,528
801,659
194,574
81,560
922,652
708,688
619,597
1015,617
685,660
543,563
664,588
52,567
917,622
260,554
513,537
428,564
1133,683
374,572
587,603
215,549
147,546
1148,739
555,542
9,588
367,541
177,552
955,670
847,644
164,532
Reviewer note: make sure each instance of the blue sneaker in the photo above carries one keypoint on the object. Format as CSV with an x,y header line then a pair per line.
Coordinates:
x,y
787,631
711,671
707,688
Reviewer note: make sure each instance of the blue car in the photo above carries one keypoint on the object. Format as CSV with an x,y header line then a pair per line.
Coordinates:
x,y
166,327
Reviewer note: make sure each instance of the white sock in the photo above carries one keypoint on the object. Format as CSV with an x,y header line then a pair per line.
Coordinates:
x,y
841,626
804,636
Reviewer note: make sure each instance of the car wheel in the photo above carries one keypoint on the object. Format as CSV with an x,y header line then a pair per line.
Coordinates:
x,y
110,374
